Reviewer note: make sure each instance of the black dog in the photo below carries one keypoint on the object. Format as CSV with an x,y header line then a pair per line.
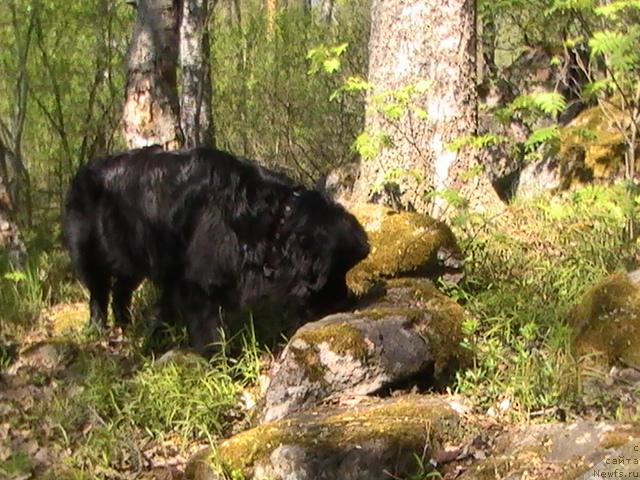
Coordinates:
x,y
212,231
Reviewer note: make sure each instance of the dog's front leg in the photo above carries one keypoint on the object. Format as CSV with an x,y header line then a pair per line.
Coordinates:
x,y
203,317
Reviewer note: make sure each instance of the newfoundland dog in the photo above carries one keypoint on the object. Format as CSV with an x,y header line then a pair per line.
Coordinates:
x,y
212,231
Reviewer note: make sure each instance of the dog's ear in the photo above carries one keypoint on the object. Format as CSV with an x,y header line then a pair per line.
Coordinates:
x,y
309,262
212,255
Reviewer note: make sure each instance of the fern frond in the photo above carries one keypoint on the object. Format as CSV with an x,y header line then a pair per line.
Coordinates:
x,y
542,135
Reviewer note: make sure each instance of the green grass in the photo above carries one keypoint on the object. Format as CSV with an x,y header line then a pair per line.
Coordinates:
x,y
525,270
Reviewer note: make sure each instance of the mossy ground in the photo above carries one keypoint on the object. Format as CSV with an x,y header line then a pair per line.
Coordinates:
x,y
77,405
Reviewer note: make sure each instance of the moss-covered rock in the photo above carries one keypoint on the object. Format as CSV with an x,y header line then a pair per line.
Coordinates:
x,y
590,149
373,440
404,244
414,331
607,321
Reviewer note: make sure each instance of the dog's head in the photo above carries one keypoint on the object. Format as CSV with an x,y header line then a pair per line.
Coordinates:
x,y
324,243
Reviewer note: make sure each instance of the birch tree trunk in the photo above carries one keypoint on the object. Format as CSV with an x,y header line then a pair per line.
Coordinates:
x,y
422,73
195,81
151,110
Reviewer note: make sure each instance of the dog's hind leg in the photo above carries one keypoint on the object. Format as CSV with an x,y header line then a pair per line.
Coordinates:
x,y
123,289
95,275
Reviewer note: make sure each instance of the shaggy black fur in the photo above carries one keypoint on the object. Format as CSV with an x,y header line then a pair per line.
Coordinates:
x,y
212,231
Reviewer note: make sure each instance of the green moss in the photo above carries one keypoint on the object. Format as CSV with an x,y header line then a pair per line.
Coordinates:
x,y
307,357
401,243
67,317
342,338
620,436
597,155
607,321
412,314
409,423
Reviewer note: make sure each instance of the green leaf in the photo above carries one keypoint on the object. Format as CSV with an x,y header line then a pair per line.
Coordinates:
x,y
593,89
551,103
619,48
542,135
366,145
331,65
356,84
339,49
421,113
15,277
392,111
614,8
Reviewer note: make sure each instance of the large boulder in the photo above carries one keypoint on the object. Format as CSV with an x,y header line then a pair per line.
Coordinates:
x,y
404,244
377,439
607,321
413,333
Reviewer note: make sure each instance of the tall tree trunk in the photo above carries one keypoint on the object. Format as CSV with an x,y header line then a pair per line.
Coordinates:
x,y
195,81
428,45
151,110
10,239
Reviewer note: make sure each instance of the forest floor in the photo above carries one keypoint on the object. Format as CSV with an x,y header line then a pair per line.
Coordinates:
x,y
73,406
76,405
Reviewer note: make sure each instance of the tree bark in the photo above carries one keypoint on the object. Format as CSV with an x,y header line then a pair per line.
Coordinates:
x,y
10,239
195,81
151,110
414,41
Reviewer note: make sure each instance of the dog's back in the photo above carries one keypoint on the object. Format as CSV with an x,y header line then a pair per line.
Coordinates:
x,y
130,210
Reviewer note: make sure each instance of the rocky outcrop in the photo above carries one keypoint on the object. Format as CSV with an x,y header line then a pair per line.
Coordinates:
x,y
377,439
322,418
413,333
404,244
